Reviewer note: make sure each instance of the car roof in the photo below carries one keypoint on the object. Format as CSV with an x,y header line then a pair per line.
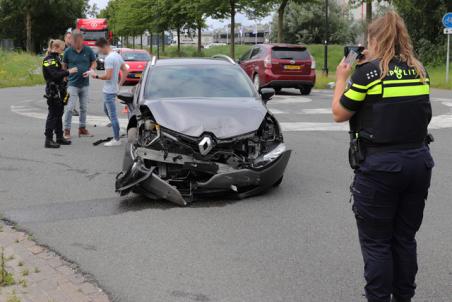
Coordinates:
x,y
191,61
284,45
131,50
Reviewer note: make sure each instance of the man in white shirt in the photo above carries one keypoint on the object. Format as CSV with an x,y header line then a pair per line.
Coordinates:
x,y
113,64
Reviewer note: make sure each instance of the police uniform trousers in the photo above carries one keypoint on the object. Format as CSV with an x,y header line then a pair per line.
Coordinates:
x,y
54,122
389,193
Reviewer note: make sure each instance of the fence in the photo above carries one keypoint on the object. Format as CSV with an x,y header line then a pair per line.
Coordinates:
x,y
6,44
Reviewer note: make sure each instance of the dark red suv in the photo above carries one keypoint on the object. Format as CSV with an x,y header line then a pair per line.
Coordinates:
x,y
280,66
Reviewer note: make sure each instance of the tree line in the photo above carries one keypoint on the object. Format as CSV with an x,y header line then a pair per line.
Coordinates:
x,y
31,22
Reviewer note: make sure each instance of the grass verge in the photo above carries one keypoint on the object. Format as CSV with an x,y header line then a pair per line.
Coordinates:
x,y
19,69
22,69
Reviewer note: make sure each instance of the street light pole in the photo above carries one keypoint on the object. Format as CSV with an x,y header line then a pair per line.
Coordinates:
x,y
325,62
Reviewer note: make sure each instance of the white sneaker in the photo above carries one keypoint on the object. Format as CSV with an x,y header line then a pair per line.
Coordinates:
x,y
113,143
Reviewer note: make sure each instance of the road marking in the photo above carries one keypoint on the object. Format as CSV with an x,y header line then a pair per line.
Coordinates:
x,y
276,111
92,120
305,126
440,99
289,100
438,122
317,111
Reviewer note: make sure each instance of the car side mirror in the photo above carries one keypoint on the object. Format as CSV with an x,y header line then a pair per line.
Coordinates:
x,y
126,97
267,94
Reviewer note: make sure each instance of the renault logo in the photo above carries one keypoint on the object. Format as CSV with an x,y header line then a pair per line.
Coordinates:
x,y
292,62
205,145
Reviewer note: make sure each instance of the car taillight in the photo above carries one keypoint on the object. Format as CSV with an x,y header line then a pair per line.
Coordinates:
x,y
313,64
268,62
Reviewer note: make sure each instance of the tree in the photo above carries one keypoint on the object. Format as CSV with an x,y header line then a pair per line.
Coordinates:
x,y
281,9
422,19
304,23
369,12
230,8
27,20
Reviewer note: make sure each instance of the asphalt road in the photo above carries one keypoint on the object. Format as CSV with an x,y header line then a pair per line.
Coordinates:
x,y
296,243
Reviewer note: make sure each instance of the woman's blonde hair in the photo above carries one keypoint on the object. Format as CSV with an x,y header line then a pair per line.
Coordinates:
x,y
391,37
53,43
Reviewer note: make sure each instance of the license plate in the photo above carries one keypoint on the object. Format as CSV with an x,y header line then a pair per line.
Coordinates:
x,y
292,67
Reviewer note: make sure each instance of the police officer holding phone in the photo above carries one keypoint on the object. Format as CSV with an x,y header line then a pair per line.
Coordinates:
x,y
388,105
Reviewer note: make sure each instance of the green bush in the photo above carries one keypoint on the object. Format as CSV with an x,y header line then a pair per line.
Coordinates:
x,y
19,69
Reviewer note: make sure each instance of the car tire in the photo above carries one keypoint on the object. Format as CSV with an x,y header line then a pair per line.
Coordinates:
x,y
305,90
278,182
257,82
131,139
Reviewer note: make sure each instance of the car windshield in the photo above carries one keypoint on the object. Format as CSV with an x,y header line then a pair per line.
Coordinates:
x,y
197,81
136,56
290,53
94,35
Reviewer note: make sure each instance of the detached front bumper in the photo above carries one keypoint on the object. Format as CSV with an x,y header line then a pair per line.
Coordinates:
x,y
244,182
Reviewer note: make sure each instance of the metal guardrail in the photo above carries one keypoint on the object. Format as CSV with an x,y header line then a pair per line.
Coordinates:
x,y
224,57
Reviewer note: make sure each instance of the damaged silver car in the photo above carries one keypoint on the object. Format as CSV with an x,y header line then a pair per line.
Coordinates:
x,y
198,126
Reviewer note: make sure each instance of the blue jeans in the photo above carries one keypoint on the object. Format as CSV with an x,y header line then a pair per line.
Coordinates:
x,y
110,111
82,94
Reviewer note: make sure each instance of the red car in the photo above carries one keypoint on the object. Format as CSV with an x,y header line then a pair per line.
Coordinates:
x,y
280,66
136,60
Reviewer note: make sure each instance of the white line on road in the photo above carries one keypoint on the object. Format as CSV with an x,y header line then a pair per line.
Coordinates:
x,y
438,122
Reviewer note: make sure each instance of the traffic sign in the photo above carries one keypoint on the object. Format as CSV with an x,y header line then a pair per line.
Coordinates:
x,y
448,31
447,20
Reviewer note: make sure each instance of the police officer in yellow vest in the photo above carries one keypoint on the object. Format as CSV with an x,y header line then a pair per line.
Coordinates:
x,y
388,105
56,93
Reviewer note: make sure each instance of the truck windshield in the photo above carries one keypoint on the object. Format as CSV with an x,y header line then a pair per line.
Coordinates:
x,y
94,35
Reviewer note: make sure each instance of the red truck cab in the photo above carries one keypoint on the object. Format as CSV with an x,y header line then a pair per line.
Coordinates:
x,y
93,29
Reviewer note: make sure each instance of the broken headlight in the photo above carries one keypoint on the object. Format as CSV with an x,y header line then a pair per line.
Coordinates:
x,y
271,156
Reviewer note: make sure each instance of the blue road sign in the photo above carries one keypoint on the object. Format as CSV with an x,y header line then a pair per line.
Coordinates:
x,y
447,20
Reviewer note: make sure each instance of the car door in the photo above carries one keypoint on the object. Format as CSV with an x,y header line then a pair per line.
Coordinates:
x,y
253,62
244,61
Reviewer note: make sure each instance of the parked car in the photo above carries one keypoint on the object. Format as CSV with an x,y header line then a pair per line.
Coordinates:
x,y
280,66
198,126
136,60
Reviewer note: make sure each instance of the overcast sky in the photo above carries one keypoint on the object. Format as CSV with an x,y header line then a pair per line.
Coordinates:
x,y
212,23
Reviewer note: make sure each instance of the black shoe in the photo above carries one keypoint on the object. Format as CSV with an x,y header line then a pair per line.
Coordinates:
x,y
51,144
63,141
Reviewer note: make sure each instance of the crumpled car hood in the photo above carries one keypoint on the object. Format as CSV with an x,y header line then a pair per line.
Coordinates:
x,y
224,117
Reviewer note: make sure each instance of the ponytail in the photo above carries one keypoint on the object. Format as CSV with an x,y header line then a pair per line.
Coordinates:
x,y
49,47
393,40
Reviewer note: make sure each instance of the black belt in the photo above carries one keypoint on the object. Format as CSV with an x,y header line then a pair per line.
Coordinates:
x,y
385,148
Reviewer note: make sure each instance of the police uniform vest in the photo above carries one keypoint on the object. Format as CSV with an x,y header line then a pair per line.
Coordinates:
x,y
54,76
392,112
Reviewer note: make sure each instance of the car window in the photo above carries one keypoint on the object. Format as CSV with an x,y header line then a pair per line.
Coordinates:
x,y
135,56
246,56
197,81
290,53
255,53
